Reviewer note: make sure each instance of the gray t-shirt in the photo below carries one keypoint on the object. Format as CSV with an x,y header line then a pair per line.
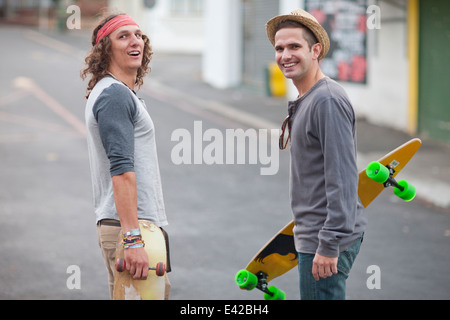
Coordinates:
x,y
121,138
327,211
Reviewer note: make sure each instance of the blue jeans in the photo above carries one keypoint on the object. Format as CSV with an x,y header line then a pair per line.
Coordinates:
x,y
331,288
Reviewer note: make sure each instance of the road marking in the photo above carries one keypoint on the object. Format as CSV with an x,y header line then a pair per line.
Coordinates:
x,y
196,105
26,137
189,108
12,97
53,44
33,123
51,103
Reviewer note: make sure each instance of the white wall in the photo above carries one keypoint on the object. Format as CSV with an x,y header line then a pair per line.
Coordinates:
x,y
134,9
384,100
286,6
222,54
168,33
176,34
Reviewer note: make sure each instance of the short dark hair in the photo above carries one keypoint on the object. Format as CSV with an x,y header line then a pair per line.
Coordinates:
x,y
309,35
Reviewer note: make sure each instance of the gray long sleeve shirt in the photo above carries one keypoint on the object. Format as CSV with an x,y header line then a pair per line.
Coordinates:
x,y
121,138
324,178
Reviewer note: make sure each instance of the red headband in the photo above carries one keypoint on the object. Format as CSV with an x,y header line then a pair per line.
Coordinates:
x,y
113,24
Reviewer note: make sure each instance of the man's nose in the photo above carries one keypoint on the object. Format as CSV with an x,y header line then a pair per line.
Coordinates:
x,y
286,54
134,40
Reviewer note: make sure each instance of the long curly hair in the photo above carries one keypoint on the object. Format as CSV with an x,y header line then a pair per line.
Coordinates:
x,y
98,59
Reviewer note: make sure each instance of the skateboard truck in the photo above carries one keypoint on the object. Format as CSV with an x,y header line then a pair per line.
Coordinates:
x,y
391,182
160,267
248,281
385,175
262,283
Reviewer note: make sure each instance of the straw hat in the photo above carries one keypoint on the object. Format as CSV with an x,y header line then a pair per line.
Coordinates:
x,y
307,20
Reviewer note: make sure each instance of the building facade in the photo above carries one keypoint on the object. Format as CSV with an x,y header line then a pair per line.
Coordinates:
x,y
390,55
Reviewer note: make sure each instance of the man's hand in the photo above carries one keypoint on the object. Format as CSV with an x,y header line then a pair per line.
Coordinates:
x,y
136,262
324,267
125,198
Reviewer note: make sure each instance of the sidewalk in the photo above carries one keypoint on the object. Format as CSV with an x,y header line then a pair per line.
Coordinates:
x,y
180,76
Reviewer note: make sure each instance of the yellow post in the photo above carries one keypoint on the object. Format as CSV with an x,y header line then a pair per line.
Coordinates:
x,y
413,55
276,81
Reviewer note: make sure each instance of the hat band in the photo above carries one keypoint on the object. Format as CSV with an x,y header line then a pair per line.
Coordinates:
x,y
113,24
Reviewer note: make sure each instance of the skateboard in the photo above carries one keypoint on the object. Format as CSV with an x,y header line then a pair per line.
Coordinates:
x,y
278,255
127,288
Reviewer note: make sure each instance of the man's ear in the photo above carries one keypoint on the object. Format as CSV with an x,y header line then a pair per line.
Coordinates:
x,y
316,50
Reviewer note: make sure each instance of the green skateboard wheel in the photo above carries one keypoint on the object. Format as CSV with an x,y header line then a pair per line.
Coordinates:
x,y
377,172
277,294
408,193
246,280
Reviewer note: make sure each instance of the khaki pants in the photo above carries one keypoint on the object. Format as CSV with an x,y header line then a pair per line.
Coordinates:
x,y
107,236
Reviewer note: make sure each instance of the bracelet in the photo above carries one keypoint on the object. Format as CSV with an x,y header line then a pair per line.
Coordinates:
x,y
132,239
137,244
132,233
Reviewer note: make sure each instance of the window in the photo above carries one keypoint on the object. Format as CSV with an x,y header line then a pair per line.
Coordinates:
x,y
186,7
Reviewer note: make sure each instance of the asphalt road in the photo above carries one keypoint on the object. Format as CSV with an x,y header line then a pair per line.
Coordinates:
x,y
219,214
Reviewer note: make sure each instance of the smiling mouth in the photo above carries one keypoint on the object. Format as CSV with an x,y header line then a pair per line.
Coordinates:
x,y
134,53
288,65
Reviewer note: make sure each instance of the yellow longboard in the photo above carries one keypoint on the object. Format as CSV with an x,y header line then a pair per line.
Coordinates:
x,y
127,288
278,255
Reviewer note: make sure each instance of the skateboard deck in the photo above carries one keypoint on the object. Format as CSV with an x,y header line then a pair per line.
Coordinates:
x,y
279,255
127,288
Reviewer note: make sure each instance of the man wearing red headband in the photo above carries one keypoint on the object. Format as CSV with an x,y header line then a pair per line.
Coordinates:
x,y
121,142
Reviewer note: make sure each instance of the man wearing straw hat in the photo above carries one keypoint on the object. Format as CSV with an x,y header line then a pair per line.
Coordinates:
x,y
321,126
